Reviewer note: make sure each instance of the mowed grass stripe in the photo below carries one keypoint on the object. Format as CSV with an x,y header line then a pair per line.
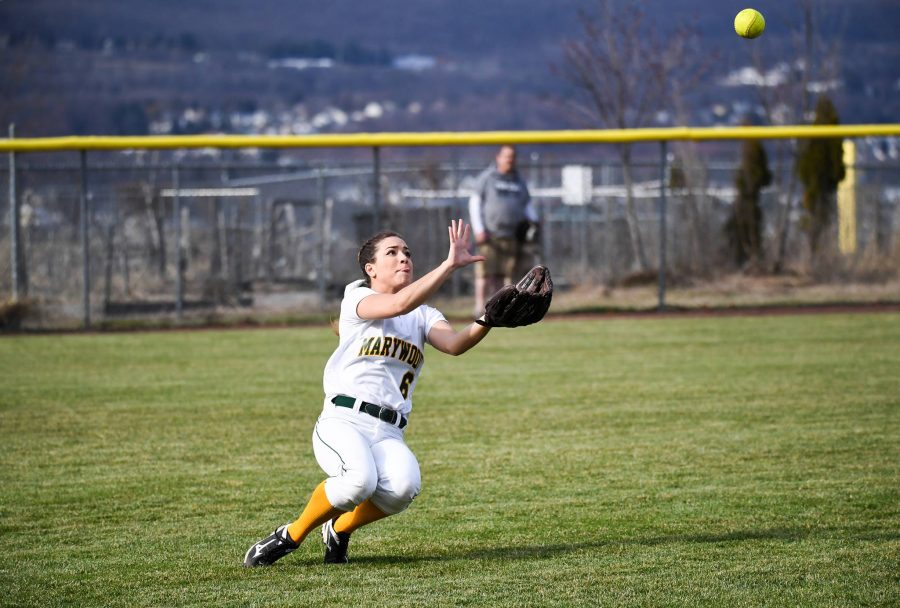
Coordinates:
x,y
707,462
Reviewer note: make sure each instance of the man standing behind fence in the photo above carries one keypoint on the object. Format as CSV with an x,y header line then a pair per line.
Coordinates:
x,y
505,223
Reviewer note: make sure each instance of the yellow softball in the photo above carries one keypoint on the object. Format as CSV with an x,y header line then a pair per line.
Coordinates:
x,y
749,23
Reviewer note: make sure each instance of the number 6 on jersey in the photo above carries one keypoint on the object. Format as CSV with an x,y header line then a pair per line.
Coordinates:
x,y
407,379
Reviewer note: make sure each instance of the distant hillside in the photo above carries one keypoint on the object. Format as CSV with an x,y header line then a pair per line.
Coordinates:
x,y
458,28
98,66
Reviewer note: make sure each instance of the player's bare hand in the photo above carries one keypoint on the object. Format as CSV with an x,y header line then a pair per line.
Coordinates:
x,y
459,254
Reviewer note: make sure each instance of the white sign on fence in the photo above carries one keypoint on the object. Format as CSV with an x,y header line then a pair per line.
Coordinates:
x,y
577,181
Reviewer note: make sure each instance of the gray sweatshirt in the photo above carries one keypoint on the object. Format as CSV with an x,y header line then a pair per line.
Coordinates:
x,y
500,203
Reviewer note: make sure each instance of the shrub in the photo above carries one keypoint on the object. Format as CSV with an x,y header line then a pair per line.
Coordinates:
x,y
13,312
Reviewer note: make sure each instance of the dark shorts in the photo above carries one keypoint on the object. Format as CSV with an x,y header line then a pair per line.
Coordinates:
x,y
501,257
507,258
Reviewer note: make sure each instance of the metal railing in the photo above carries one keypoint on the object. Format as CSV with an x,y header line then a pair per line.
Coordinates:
x,y
461,138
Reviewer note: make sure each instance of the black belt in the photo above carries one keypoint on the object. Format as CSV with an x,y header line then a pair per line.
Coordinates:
x,y
382,413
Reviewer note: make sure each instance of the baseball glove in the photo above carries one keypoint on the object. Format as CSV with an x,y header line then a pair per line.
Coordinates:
x,y
524,303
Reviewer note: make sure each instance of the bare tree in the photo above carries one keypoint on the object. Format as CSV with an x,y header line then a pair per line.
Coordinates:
x,y
138,202
144,197
789,101
685,64
624,68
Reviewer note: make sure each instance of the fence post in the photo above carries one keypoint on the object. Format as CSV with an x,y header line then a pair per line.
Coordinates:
x,y
257,236
456,210
546,232
323,237
376,186
609,227
543,224
84,209
663,170
19,286
179,251
584,236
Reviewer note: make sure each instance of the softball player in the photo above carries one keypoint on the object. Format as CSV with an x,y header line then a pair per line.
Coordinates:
x,y
369,382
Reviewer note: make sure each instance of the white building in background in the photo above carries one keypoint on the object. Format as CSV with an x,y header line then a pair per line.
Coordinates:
x,y
415,63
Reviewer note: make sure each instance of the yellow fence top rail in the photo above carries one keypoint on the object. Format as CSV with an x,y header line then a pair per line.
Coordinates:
x,y
463,138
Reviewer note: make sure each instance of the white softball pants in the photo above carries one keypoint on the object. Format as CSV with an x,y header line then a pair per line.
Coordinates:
x,y
364,457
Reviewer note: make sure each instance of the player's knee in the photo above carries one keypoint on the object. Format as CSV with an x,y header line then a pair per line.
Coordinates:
x,y
346,491
398,497
361,486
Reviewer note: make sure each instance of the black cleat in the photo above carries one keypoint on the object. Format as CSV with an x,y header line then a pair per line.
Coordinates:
x,y
336,544
270,549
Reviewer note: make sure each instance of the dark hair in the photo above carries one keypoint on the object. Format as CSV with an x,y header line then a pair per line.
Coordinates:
x,y
366,253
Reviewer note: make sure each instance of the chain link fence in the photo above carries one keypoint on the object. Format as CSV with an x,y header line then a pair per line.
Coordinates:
x,y
173,236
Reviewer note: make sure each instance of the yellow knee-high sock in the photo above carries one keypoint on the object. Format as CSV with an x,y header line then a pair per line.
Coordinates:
x,y
364,513
318,510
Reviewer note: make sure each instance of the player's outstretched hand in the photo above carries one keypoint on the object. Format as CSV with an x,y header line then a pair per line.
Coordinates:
x,y
459,254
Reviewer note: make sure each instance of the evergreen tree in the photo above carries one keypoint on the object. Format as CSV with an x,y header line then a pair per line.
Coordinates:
x,y
744,227
820,168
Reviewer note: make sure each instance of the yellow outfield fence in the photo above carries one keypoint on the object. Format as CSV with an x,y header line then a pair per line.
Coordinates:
x,y
462,138
217,249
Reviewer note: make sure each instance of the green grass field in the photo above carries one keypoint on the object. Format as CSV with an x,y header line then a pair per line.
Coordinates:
x,y
693,462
